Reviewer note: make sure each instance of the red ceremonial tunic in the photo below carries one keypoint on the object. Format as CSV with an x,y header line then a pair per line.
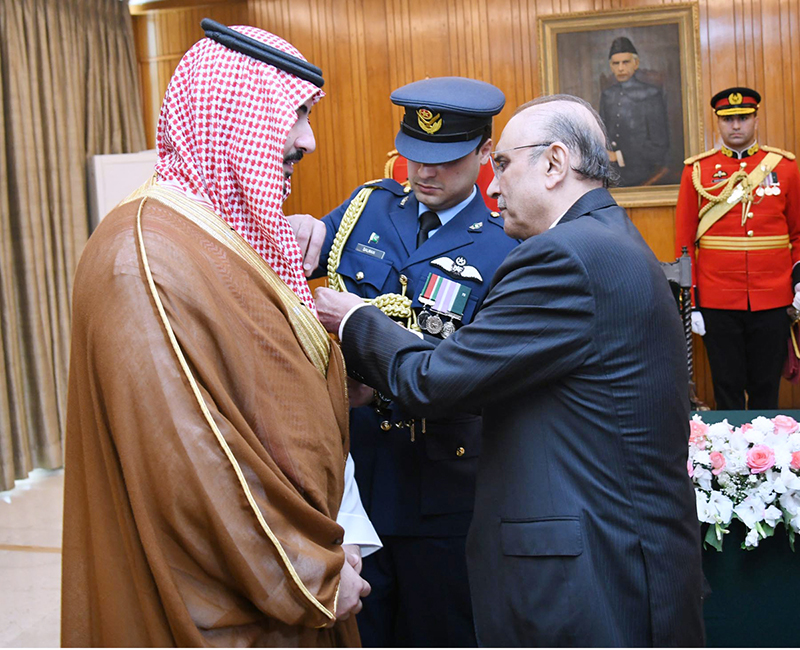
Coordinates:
x,y
732,279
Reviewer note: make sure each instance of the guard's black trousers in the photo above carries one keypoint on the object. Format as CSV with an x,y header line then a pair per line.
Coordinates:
x,y
746,352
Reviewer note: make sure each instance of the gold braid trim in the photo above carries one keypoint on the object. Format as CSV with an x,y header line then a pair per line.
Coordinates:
x,y
213,425
726,189
394,305
309,331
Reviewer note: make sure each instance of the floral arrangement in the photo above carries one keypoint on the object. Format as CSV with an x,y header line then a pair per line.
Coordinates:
x,y
750,473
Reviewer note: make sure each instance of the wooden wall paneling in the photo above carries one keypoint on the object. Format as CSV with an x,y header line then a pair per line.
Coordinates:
x,y
162,36
367,48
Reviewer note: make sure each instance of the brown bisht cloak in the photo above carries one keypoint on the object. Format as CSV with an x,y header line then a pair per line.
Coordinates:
x,y
205,443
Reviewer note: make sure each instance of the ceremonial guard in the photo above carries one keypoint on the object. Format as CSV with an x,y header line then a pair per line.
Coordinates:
x,y
739,214
425,253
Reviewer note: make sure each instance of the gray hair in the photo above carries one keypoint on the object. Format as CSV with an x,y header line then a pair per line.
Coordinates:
x,y
572,130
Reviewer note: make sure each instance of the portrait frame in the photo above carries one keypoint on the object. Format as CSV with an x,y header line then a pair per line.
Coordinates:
x,y
662,30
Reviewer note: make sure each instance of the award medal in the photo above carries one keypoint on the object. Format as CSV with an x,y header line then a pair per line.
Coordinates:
x,y
770,186
443,298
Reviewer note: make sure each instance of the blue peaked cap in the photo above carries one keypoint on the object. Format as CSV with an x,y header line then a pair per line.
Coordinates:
x,y
445,117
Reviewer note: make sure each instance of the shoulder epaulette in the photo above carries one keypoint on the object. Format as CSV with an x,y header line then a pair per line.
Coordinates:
x,y
700,156
387,184
786,154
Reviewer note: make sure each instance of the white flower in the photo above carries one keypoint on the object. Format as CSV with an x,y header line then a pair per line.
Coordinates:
x,y
721,507
763,425
794,441
783,455
702,476
750,511
760,500
790,502
738,441
719,431
790,479
704,513
772,516
752,538
702,457
765,491
784,480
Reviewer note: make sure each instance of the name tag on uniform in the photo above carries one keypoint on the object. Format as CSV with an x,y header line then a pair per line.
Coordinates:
x,y
368,250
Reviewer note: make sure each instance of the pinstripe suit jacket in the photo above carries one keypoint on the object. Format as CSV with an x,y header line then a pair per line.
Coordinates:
x,y
585,531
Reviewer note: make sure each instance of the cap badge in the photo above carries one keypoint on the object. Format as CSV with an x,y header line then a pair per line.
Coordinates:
x,y
429,122
735,98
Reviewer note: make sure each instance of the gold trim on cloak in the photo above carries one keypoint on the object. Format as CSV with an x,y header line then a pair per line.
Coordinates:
x,y
217,228
309,331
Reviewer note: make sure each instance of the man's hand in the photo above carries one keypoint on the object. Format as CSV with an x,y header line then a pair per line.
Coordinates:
x,y
332,307
352,553
310,234
352,588
359,394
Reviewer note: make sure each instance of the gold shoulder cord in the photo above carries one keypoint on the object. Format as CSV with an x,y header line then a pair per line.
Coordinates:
x,y
725,192
731,193
393,305
217,433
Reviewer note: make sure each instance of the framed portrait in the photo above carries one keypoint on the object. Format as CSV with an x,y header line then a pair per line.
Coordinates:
x,y
640,69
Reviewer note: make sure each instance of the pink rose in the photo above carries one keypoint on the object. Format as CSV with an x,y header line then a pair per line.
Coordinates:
x,y
717,462
760,458
697,434
746,427
785,424
795,464
690,468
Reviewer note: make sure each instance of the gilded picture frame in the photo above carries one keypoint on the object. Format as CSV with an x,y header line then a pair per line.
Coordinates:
x,y
575,55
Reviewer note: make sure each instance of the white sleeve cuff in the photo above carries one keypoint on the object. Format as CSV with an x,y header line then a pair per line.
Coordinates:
x,y
358,529
347,315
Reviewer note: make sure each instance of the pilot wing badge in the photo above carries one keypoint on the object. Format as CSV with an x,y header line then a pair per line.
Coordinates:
x,y
457,268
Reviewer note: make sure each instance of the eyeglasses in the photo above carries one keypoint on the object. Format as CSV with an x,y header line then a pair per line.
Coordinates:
x,y
499,166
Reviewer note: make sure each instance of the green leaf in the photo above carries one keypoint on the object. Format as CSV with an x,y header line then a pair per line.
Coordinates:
x,y
765,530
711,539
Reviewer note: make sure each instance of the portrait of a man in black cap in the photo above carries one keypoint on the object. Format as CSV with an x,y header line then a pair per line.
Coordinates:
x,y
635,116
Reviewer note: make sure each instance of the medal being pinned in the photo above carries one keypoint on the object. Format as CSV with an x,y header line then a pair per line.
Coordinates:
x,y
443,299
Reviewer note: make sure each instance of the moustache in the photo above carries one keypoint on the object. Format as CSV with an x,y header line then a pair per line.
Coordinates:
x,y
295,156
501,204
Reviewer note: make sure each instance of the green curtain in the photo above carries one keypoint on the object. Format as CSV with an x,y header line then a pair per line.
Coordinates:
x,y
70,89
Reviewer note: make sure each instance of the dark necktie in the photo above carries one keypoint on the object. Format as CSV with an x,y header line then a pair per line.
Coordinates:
x,y
427,221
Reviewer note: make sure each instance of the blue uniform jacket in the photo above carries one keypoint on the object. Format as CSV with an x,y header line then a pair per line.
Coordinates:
x,y
425,487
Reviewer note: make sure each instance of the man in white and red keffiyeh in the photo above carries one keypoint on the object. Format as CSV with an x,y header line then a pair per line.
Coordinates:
x,y
224,139
207,441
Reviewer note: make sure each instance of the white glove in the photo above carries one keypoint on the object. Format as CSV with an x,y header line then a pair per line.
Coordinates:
x,y
698,324
796,301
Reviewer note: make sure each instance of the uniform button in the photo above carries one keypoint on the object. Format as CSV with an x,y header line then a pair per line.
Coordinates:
x,y
749,233
460,452
750,215
360,275
495,214
406,189
403,278
386,425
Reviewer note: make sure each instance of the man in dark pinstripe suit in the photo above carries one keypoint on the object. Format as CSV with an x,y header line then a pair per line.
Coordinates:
x,y
585,531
